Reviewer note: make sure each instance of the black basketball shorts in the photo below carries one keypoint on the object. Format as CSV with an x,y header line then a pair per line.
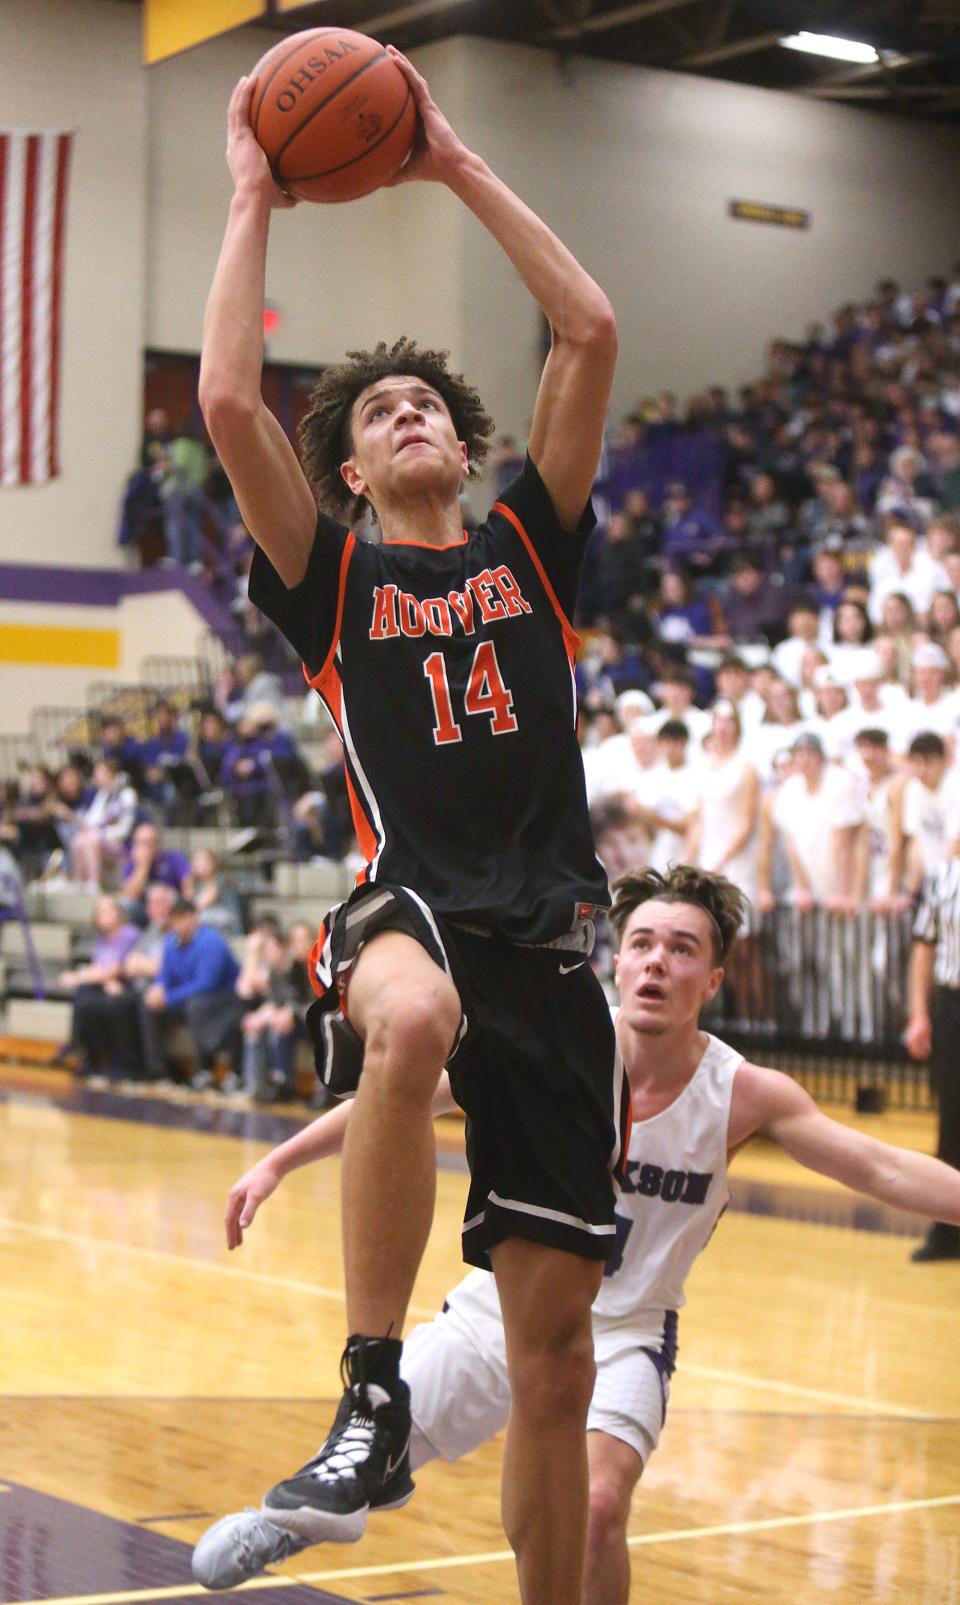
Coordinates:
x,y
535,1067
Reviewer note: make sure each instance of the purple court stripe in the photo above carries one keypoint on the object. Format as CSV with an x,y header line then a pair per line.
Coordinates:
x,y
51,1547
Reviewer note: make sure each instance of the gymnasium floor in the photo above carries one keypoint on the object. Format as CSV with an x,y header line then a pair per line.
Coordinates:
x,y
149,1381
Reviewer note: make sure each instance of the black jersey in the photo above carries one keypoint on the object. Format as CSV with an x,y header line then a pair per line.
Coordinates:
x,y
449,674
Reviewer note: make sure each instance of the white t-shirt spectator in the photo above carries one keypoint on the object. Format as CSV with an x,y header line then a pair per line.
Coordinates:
x,y
808,820
932,818
673,794
942,717
923,579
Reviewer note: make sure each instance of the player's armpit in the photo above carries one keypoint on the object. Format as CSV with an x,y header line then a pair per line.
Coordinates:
x,y
272,491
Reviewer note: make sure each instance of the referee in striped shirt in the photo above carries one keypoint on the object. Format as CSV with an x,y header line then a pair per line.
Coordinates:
x,y
933,1027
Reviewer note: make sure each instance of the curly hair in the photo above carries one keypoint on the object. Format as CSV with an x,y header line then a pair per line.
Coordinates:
x,y
723,903
325,436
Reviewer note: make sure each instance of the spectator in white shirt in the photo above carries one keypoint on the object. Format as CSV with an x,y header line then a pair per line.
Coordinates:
x,y
880,849
605,763
932,707
829,722
869,708
779,729
732,679
803,623
669,792
852,631
105,825
675,689
930,802
817,813
901,566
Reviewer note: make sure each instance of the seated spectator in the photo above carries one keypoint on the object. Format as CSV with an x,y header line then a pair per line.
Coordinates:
x,y
755,607
691,537
608,666
323,823
33,834
115,743
616,573
842,519
245,775
768,516
828,584
194,987
272,1030
213,739
104,826
943,537
147,863
946,449
817,812
162,754
217,903
909,490
92,986
258,685
681,617
829,723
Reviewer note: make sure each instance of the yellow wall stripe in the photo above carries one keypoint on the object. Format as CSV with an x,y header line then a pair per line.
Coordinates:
x,y
70,647
170,26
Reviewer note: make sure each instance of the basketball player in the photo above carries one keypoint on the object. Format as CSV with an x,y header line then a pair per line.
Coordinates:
x,y
446,664
695,1102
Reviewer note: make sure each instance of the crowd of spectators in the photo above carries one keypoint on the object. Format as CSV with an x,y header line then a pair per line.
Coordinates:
x,y
768,681
770,677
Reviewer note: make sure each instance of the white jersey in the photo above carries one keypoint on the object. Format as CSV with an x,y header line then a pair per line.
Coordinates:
x,y
674,1192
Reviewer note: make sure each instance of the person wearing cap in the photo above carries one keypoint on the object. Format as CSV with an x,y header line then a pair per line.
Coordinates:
x,y
194,987
930,802
817,813
932,706
609,766
869,707
832,704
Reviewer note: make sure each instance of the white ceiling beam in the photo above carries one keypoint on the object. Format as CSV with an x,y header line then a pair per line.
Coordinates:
x,y
731,50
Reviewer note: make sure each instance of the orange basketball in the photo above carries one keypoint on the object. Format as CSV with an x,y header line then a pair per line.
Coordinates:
x,y
334,114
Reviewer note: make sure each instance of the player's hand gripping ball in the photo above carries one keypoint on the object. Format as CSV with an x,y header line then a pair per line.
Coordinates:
x,y
334,114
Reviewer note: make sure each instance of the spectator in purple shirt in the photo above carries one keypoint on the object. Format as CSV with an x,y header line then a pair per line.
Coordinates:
x,y
691,537
90,985
149,864
162,752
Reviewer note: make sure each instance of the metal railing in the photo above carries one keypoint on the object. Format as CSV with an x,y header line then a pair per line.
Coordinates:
x,y
824,996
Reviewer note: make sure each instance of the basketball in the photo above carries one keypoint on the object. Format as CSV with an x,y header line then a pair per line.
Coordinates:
x,y
334,114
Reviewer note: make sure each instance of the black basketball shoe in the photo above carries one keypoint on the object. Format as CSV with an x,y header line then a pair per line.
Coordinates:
x,y
364,1464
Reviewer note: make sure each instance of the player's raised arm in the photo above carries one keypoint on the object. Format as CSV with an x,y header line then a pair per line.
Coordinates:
x,y
770,1104
273,495
567,430
322,1138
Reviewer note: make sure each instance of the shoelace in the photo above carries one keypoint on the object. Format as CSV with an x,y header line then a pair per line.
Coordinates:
x,y
349,1450
283,1544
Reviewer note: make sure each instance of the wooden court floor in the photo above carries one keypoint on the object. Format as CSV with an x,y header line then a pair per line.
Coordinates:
x,y
149,1381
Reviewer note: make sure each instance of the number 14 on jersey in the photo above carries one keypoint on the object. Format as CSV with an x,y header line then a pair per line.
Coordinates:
x,y
485,693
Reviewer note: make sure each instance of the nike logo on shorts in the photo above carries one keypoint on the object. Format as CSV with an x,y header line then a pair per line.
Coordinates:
x,y
567,969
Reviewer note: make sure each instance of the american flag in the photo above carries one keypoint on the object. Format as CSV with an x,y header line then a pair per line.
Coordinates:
x,y
33,205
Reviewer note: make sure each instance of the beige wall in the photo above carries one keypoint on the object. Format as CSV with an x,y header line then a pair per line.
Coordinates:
x,y
634,168
162,622
74,64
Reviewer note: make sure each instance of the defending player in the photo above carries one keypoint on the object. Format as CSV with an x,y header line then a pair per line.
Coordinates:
x,y
446,664
695,1102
